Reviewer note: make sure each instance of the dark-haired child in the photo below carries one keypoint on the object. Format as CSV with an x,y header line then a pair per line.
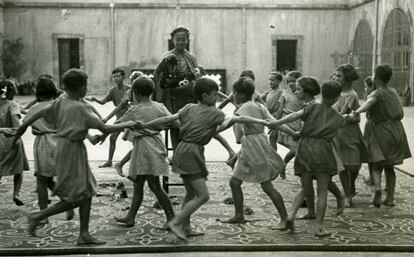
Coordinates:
x,y
12,160
149,156
75,183
316,157
257,161
386,139
350,143
45,143
115,95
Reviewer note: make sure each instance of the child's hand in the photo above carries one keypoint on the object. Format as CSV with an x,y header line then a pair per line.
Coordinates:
x,y
96,139
139,125
91,99
272,125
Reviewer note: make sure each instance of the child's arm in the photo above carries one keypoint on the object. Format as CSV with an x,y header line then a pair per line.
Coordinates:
x,y
92,109
366,105
159,122
120,106
289,118
226,101
222,95
106,99
33,102
95,123
240,119
29,121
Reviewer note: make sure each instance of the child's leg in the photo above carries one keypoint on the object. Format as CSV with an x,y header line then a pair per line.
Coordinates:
x,y
112,145
118,166
17,183
190,194
376,175
354,172
162,197
340,198
202,196
277,201
129,219
322,183
390,180
305,192
289,156
225,144
42,194
273,136
51,185
84,215
175,137
237,194
369,180
345,178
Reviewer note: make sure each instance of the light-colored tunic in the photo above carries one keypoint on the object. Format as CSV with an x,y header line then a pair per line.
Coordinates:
x,y
149,156
349,141
272,100
257,161
11,159
386,139
45,142
198,124
316,151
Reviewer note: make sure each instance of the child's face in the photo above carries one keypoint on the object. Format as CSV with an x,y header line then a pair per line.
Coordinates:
x,y
299,91
291,81
211,98
118,78
338,77
180,40
273,82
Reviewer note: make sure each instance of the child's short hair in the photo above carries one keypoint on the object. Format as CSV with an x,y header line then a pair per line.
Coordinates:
x,y
349,72
204,85
276,75
331,89
368,81
118,70
383,72
74,79
10,87
294,74
245,86
310,85
248,74
135,74
45,89
45,75
143,85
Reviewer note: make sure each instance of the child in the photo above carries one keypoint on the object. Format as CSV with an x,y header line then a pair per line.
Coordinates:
x,y
149,156
271,99
75,184
369,88
12,160
316,157
387,141
257,161
115,95
45,143
289,103
350,143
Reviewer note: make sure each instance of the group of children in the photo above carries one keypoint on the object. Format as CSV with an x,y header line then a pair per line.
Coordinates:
x,y
323,135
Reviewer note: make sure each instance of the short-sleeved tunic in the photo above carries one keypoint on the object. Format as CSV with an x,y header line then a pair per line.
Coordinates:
x,y
350,142
116,95
198,124
292,104
257,161
316,152
11,159
74,179
149,156
45,142
386,139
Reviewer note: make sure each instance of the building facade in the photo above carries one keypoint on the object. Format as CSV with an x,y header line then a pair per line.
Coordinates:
x,y
313,36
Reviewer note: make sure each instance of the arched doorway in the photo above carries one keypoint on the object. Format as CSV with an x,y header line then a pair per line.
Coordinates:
x,y
362,54
395,49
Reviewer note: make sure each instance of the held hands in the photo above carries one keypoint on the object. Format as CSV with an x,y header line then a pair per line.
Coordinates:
x,y
8,132
91,99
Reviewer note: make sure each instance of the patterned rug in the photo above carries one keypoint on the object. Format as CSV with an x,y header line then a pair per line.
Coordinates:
x,y
362,228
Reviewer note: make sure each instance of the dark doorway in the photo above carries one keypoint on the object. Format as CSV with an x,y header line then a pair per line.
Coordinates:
x,y
69,56
286,55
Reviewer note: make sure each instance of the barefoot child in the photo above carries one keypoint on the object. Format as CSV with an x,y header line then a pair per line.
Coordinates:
x,y
316,157
387,141
149,156
12,160
257,161
45,143
75,184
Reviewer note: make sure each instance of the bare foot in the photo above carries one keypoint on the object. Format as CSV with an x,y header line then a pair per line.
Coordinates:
x,y
348,202
290,225
89,240
70,214
340,206
283,175
281,226
164,227
33,223
106,165
190,232
125,220
234,220
17,201
118,169
44,222
178,232
377,199
307,216
322,233
388,203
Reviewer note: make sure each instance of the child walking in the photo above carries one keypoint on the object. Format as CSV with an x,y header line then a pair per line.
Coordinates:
x,y
149,156
386,139
12,160
75,184
257,161
350,142
316,157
